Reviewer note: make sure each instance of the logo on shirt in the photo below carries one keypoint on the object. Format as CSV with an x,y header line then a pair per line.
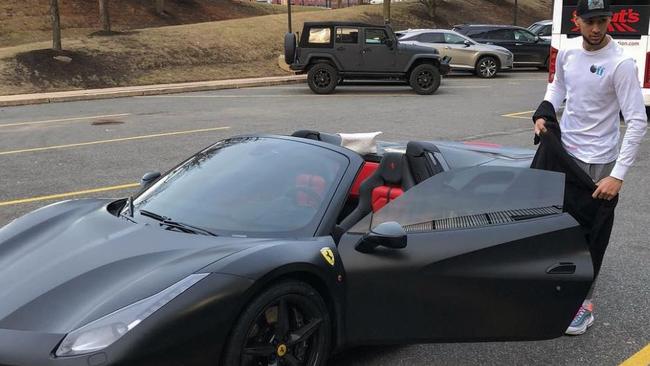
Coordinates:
x,y
598,70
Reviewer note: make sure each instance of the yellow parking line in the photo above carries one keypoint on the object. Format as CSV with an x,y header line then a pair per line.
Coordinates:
x,y
641,358
518,115
69,194
112,140
64,120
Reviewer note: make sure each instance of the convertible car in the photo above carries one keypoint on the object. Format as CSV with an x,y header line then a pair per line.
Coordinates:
x,y
279,250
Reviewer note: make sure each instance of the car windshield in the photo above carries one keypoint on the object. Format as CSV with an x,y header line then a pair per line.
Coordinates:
x,y
252,186
484,193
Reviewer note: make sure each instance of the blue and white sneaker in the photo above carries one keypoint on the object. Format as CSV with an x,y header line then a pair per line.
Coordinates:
x,y
583,320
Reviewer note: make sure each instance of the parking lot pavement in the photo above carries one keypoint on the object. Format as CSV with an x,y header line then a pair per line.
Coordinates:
x,y
100,148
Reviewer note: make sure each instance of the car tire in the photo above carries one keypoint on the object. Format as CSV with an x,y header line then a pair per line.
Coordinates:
x,y
322,78
255,339
289,48
425,79
487,67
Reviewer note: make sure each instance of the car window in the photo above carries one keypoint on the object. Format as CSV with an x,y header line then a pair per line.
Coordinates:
x,y
347,35
523,36
253,186
318,35
454,39
501,34
535,28
473,196
546,31
375,36
431,38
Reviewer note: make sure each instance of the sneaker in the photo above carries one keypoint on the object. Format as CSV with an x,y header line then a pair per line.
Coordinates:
x,y
583,320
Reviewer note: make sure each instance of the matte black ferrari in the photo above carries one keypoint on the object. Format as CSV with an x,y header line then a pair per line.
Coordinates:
x,y
279,250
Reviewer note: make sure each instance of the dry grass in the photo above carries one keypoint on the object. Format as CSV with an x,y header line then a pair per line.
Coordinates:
x,y
215,50
26,21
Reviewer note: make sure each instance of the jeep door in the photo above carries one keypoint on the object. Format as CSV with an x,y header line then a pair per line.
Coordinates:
x,y
376,54
489,256
347,48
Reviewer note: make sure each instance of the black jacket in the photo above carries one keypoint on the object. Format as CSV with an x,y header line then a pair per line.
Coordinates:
x,y
596,216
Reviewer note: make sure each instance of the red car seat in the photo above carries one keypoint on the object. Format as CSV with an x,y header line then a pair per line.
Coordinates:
x,y
388,182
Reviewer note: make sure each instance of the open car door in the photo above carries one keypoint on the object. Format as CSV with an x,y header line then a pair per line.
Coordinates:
x,y
489,256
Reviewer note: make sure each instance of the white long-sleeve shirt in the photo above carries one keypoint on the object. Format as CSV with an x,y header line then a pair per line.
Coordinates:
x,y
597,85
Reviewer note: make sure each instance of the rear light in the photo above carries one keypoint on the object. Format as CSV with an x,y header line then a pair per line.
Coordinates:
x,y
551,64
646,78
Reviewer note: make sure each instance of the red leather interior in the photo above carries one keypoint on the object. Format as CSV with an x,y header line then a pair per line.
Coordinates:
x,y
309,183
382,195
366,170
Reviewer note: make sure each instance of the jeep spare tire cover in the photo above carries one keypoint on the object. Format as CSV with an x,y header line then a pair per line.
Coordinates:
x,y
289,47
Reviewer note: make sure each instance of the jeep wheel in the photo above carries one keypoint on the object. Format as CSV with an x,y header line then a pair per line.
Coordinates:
x,y
322,78
425,79
487,67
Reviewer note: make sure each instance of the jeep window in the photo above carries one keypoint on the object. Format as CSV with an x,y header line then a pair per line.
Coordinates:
x,y
524,36
375,36
431,38
319,36
454,39
347,35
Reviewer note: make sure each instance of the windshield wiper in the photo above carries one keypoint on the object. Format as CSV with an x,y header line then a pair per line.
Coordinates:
x,y
164,220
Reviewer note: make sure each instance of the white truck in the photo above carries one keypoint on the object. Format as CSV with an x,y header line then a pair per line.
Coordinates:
x,y
630,28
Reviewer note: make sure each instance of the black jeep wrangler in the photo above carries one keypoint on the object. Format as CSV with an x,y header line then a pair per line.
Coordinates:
x,y
333,51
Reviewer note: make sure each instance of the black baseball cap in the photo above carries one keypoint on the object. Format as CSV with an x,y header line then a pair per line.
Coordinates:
x,y
593,8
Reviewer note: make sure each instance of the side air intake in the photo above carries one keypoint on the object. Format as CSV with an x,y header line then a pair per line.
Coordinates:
x,y
492,218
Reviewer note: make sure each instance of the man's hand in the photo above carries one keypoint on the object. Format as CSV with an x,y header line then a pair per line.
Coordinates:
x,y
607,188
540,126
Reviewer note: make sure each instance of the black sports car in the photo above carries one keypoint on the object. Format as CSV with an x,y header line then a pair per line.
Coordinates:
x,y
278,250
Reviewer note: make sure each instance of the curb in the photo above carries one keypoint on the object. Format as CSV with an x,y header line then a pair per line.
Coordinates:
x,y
134,91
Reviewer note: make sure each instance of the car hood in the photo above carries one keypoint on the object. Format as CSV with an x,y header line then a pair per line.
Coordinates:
x,y
70,263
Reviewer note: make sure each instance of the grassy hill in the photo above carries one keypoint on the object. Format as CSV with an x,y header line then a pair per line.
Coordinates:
x,y
24,21
233,48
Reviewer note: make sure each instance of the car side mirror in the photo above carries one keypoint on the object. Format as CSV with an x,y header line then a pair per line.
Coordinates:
x,y
388,234
467,43
388,42
537,39
148,178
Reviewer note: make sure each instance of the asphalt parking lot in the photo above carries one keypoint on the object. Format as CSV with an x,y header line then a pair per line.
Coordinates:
x,y
101,148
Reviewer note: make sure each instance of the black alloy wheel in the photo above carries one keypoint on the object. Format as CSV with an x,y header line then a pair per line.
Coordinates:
x,y
487,67
322,78
286,325
425,79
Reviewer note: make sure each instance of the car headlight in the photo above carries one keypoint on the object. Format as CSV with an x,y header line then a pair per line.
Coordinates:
x,y
104,331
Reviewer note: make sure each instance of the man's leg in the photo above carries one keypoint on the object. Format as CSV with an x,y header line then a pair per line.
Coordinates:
x,y
584,318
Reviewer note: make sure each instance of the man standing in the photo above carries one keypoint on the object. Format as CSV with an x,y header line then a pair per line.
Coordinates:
x,y
598,81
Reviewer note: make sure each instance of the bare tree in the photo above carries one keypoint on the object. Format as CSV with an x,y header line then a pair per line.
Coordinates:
x,y
432,6
387,11
160,6
56,25
104,15
339,4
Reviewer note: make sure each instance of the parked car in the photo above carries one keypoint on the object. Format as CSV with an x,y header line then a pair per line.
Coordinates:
x,y
544,29
277,250
330,52
528,48
466,54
